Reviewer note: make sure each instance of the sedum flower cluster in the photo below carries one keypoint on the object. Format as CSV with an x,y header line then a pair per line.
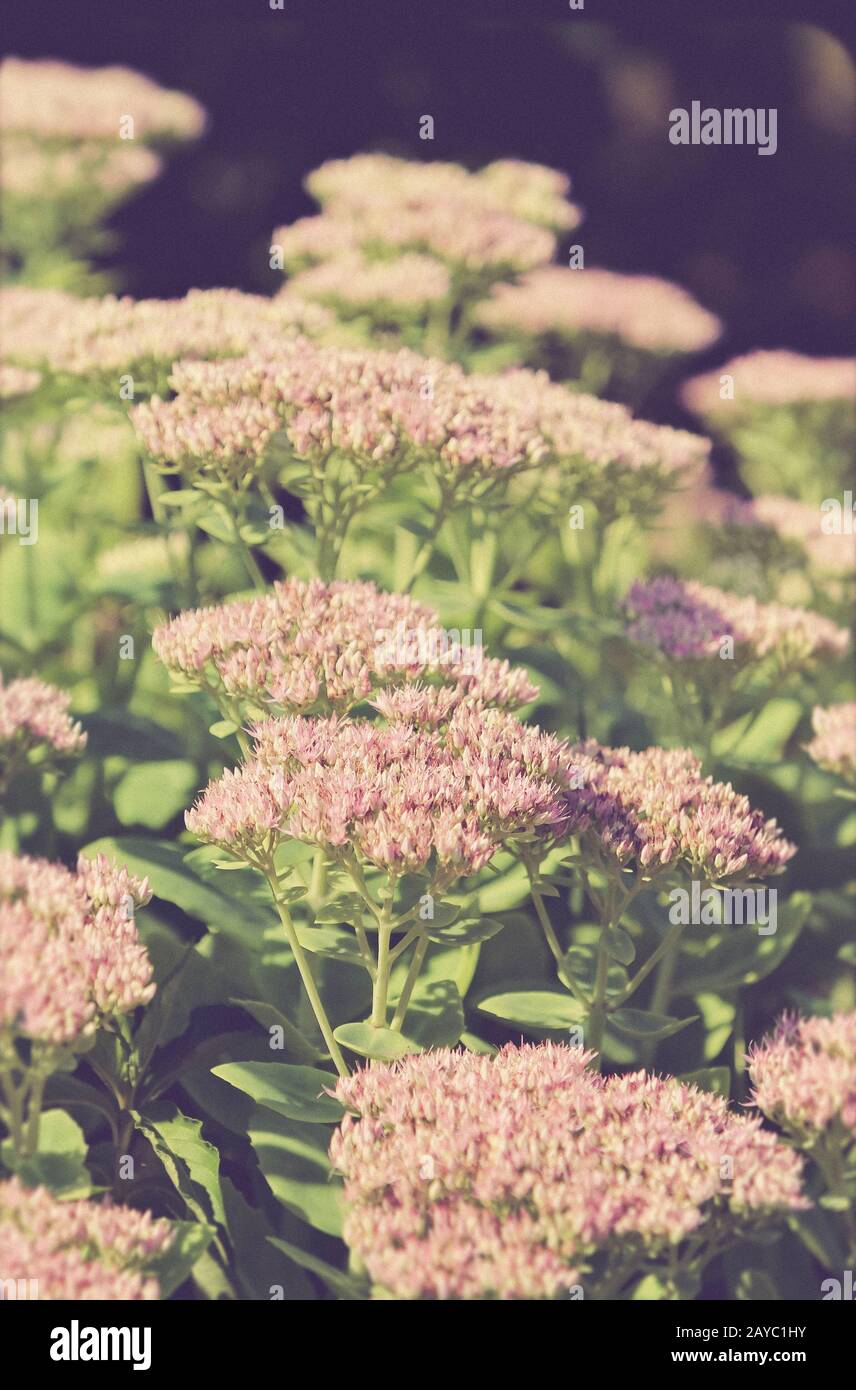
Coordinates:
x,y
804,1075
77,1250
521,1175
35,725
834,744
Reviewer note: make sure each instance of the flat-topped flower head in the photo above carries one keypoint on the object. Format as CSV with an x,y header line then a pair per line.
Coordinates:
x,y
78,1250
394,290
59,101
98,337
323,648
804,1074
834,744
17,381
687,621
639,310
532,192
221,441
69,947
472,1177
35,725
396,796
780,528
653,810
778,378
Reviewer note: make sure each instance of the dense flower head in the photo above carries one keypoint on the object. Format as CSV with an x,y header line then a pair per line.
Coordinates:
x,y
502,1177
59,101
388,410
399,796
652,809
640,310
685,620
88,170
351,283
17,381
529,191
804,1074
785,521
834,744
69,948
226,441
601,452
323,648
34,720
772,379
75,1250
90,337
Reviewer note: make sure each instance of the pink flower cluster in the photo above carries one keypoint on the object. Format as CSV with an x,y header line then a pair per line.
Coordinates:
x,y
323,648
92,337
34,718
685,620
352,284
772,378
786,520
17,381
77,1250
495,221
834,744
640,310
58,101
804,1074
654,808
69,949
528,191
472,1177
379,409
396,794
86,171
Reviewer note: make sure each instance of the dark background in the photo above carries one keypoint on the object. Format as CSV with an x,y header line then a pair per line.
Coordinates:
x,y
767,242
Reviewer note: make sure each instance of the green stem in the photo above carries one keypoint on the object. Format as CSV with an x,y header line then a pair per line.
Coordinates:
x,y
381,983
305,972
564,974
34,1113
426,550
412,976
668,943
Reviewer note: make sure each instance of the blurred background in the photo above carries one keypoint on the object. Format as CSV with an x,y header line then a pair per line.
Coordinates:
x,y
766,242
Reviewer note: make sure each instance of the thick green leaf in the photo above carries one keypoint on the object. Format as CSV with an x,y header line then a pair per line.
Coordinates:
x,y
298,1092
466,932
337,943
269,1017
345,1285
718,961
293,1158
60,1162
380,1044
620,945
715,1079
192,1163
192,1239
637,1023
262,1272
435,1015
542,1009
151,794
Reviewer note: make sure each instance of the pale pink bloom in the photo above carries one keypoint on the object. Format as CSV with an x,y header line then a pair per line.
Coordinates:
x,y
791,523
531,192
58,101
78,1250
641,310
35,723
33,170
408,284
69,948
473,1177
834,744
653,809
224,440
106,335
17,381
685,620
323,648
396,794
771,379
804,1074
